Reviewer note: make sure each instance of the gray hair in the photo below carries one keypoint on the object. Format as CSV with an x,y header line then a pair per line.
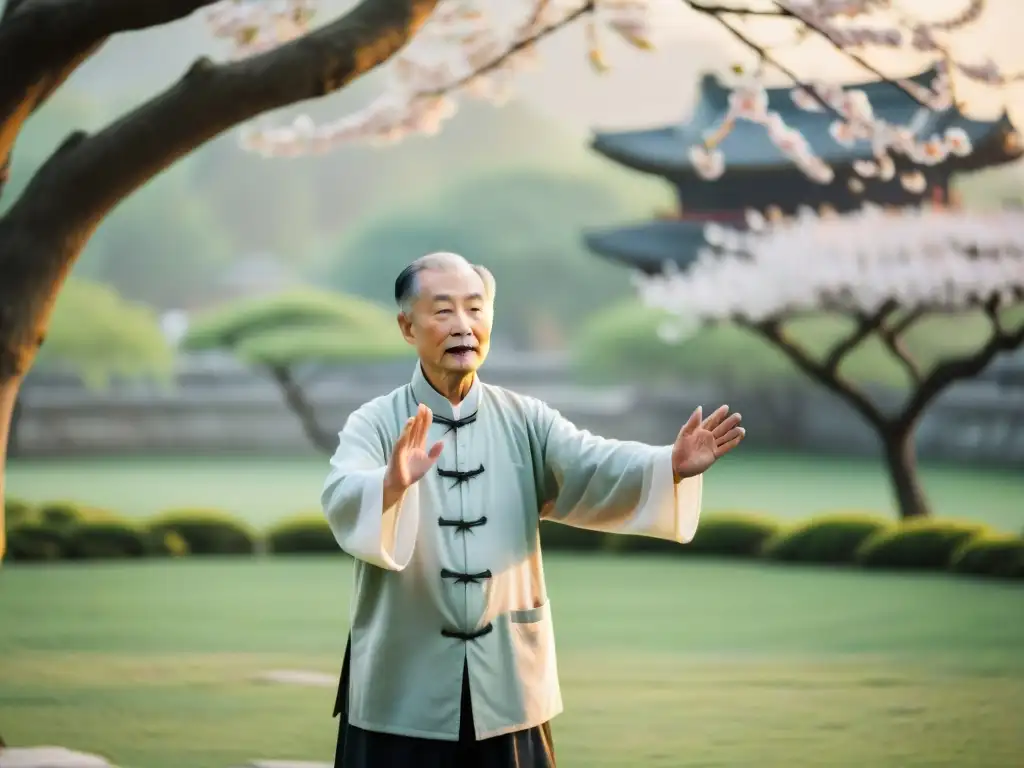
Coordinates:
x,y
407,282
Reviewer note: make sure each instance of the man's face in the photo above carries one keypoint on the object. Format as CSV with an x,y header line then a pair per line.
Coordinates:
x,y
450,322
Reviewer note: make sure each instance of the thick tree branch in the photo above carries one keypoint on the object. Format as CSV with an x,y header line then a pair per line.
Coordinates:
x,y
43,41
77,187
296,400
773,332
950,371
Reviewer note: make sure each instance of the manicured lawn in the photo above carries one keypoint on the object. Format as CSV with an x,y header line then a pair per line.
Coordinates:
x,y
664,663
263,490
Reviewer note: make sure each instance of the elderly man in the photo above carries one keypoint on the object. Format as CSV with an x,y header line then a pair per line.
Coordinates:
x,y
438,489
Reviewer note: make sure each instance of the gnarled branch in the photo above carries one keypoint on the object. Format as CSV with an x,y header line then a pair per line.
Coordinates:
x,y
946,373
773,332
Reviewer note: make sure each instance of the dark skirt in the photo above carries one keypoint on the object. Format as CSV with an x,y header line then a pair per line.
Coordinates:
x,y
359,748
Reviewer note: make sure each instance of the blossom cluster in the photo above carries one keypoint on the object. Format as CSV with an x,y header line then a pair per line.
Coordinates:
x,y
933,259
476,48
472,47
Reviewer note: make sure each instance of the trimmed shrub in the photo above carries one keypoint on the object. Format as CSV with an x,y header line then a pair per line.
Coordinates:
x,y
107,539
990,554
559,537
917,544
17,512
66,514
206,532
35,542
831,538
306,533
166,543
731,534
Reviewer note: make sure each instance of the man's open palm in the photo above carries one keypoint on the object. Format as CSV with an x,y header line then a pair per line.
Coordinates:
x,y
701,443
410,459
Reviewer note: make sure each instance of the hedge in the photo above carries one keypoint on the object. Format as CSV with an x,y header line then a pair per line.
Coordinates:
x,y
207,531
306,533
990,554
829,539
725,534
917,544
63,530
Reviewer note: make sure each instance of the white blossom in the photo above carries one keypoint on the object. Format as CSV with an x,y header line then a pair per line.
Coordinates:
x,y
476,48
932,259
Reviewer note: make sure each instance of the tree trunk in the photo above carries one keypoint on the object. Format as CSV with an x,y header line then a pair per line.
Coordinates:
x,y
8,396
901,461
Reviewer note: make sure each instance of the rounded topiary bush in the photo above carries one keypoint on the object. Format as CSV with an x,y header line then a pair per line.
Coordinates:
x,y
917,544
829,538
206,531
166,543
61,514
302,534
36,542
556,536
732,534
17,512
107,539
990,554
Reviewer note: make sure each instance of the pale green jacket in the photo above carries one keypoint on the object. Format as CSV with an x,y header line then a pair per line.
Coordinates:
x,y
418,573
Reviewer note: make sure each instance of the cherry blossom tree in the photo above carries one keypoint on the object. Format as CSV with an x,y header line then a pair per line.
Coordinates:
x,y
435,50
887,270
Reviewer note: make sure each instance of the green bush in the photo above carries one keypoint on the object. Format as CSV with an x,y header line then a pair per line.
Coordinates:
x,y
107,539
830,538
17,512
206,532
991,554
917,544
166,543
66,514
302,534
36,541
559,537
731,534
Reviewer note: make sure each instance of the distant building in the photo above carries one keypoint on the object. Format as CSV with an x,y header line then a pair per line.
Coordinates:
x,y
759,176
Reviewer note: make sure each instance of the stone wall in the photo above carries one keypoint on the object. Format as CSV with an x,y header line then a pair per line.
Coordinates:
x,y
216,407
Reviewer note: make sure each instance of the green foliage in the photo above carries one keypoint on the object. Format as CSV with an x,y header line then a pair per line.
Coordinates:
x,y
36,542
300,326
17,512
917,544
306,533
523,225
731,534
107,539
558,537
207,532
832,538
990,554
622,339
99,334
66,515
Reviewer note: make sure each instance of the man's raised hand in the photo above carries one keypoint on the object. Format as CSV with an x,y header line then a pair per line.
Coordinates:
x,y
410,460
701,443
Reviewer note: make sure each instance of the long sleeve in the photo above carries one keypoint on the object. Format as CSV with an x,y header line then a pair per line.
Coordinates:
x,y
353,500
615,486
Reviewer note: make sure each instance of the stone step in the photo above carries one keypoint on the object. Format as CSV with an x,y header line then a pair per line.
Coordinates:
x,y
49,757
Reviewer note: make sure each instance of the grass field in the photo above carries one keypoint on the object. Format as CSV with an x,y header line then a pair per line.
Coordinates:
x,y
663,663
264,490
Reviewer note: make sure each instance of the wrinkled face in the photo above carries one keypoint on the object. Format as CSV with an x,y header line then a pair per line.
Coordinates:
x,y
450,322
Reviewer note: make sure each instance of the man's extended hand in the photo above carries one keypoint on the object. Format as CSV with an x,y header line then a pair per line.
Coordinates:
x,y
410,460
701,443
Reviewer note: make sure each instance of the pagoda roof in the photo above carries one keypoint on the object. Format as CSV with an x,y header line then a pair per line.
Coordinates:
x,y
665,150
649,246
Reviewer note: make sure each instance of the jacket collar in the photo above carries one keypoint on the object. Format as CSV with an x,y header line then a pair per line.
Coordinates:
x,y
423,392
